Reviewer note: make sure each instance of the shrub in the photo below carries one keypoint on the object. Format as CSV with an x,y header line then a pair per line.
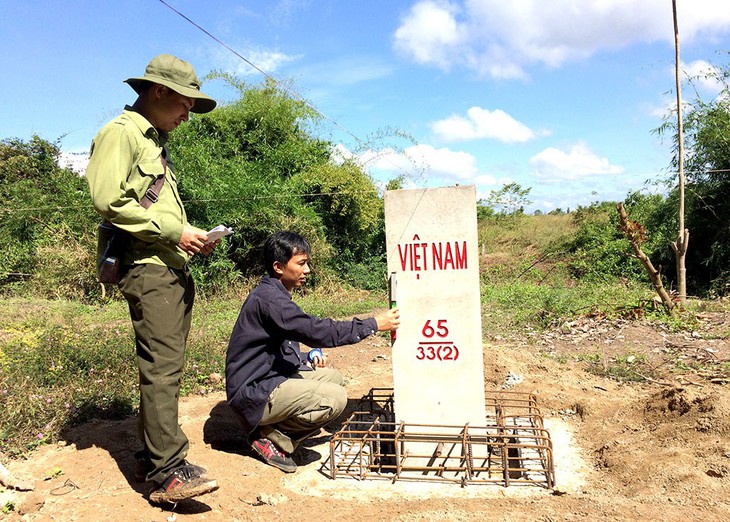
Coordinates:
x,y
601,253
48,224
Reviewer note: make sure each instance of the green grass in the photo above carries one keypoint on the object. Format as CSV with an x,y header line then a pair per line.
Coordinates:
x,y
514,235
628,367
65,362
511,305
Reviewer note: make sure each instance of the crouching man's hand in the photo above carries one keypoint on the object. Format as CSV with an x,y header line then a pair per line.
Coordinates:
x,y
316,359
390,320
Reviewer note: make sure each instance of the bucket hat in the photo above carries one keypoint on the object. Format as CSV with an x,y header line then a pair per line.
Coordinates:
x,y
179,76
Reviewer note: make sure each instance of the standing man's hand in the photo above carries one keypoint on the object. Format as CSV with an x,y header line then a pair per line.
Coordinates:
x,y
208,248
193,241
390,320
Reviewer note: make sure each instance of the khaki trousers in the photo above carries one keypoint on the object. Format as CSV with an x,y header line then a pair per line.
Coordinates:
x,y
301,405
160,304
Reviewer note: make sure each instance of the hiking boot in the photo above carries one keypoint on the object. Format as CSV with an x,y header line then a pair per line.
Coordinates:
x,y
184,482
273,456
144,466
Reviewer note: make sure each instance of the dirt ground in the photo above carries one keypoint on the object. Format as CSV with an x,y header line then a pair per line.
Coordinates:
x,y
652,450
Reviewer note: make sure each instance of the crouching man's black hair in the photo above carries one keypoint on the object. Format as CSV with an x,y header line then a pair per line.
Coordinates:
x,y
281,247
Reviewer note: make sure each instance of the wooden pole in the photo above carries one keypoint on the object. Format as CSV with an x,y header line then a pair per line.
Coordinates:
x,y
680,245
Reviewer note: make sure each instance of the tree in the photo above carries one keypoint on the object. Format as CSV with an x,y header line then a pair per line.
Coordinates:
x,y
256,165
600,248
636,234
510,200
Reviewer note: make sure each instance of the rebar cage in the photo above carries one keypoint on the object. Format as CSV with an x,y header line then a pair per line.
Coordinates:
x,y
513,447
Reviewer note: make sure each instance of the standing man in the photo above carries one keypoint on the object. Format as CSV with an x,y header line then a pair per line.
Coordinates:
x,y
127,156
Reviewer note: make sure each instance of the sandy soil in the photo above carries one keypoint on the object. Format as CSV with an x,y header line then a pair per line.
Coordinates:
x,y
655,450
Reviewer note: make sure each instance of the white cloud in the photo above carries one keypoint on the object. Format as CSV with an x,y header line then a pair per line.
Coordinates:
x,y
482,124
703,74
429,32
705,82
435,164
547,205
488,179
578,162
284,10
345,72
442,163
267,60
76,160
500,39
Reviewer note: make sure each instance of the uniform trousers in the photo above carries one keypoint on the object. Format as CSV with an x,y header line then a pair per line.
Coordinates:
x,y
160,302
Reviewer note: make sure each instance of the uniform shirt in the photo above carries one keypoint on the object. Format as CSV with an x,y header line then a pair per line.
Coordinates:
x,y
264,347
126,158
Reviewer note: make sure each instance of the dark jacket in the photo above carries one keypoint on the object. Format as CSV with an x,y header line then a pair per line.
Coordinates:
x,y
264,347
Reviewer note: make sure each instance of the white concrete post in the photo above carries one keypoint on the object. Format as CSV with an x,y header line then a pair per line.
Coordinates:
x,y
432,247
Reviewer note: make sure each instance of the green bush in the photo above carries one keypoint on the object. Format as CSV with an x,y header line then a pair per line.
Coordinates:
x,y
47,223
601,253
256,166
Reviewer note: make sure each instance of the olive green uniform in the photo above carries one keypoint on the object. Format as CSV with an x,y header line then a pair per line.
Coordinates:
x,y
126,158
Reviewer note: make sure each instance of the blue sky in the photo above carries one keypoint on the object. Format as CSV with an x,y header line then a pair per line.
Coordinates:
x,y
560,96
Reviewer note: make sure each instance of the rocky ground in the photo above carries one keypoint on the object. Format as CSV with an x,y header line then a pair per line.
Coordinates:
x,y
640,419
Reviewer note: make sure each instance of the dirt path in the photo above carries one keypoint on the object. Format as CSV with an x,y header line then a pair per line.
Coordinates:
x,y
656,450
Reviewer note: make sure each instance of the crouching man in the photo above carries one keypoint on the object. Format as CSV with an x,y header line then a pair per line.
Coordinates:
x,y
280,396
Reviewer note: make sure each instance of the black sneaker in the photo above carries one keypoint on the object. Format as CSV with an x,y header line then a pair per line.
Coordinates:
x,y
273,456
184,482
143,466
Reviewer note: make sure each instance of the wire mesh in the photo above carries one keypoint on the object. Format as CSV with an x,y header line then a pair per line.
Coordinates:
x,y
511,448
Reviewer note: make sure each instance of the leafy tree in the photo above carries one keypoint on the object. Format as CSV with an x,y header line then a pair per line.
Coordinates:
x,y
510,200
484,210
256,165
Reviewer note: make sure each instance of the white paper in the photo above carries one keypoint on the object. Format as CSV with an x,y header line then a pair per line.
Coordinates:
x,y
218,232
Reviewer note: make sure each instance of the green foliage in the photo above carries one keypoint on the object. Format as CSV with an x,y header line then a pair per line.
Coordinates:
x,y
511,199
60,373
47,224
602,253
348,203
484,210
505,206
256,166
63,363
529,281
515,305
